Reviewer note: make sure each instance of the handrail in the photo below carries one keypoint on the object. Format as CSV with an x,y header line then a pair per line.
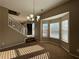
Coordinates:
x,y
16,25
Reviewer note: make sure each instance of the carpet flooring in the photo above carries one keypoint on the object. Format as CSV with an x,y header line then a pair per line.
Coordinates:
x,y
35,50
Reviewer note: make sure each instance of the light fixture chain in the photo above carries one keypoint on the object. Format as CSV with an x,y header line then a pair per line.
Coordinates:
x,y
34,7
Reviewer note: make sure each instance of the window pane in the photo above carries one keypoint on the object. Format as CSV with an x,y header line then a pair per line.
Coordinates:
x,y
45,30
33,29
54,30
65,31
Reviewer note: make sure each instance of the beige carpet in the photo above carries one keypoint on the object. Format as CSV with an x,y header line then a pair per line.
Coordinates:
x,y
35,51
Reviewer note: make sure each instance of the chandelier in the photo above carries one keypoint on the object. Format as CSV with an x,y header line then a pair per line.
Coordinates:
x,y
33,17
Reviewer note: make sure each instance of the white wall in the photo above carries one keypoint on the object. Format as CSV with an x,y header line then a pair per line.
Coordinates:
x,y
8,36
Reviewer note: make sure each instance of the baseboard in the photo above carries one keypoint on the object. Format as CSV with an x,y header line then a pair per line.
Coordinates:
x,y
63,48
12,45
70,53
74,55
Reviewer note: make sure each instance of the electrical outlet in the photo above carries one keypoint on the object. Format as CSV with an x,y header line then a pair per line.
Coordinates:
x,y
77,50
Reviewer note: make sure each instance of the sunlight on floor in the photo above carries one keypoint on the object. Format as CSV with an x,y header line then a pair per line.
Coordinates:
x,y
23,51
42,56
30,49
7,54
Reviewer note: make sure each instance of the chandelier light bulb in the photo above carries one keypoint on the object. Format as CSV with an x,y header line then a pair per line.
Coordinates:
x,y
28,17
31,15
38,17
32,19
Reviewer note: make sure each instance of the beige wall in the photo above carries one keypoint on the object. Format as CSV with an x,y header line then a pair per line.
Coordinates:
x,y
37,30
74,27
55,11
8,36
72,7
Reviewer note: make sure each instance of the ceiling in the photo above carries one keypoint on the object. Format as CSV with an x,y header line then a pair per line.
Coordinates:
x,y
57,16
25,7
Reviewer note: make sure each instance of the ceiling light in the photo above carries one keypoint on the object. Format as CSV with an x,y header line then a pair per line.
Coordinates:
x,y
38,17
28,17
32,16
32,19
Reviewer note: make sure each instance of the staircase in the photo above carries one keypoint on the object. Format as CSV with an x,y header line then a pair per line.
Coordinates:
x,y
13,34
12,23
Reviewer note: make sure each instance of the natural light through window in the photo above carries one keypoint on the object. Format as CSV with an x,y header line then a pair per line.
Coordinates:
x,y
45,30
30,49
65,31
33,29
8,54
41,56
54,30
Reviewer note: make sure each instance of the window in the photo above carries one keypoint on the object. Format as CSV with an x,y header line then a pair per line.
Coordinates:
x,y
45,30
64,34
33,29
54,30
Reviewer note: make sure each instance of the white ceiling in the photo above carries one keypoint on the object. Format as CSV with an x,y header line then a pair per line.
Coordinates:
x,y
25,7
